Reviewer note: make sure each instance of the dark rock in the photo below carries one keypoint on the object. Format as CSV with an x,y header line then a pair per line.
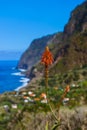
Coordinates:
x,y
77,21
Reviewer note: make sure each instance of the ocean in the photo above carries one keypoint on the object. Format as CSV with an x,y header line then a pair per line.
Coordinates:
x,y
11,78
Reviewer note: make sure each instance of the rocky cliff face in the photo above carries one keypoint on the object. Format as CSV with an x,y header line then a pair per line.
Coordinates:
x,y
32,55
69,48
72,52
77,21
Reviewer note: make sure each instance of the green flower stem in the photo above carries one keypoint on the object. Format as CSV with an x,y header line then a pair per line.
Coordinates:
x,y
46,81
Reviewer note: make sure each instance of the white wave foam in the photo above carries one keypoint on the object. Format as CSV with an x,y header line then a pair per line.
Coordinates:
x,y
22,70
17,74
24,81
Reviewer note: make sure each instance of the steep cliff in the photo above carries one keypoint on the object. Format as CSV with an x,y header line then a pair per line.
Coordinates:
x,y
32,55
72,52
69,48
77,21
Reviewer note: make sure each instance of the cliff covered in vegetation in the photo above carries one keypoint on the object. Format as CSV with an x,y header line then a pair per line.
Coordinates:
x,y
69,48
32,55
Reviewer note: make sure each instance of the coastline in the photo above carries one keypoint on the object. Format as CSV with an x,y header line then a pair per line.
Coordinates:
x,y
24,80
10,77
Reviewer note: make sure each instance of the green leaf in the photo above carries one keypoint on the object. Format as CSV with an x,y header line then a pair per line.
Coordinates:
x,y
46,127
55,126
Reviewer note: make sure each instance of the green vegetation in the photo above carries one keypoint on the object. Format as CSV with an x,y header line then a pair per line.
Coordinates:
x,y
19,111
27,113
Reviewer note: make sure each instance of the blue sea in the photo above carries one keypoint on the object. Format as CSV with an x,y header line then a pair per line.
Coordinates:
x,y
11,78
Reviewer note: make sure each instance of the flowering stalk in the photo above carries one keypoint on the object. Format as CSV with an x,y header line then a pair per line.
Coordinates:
x,y
67,89
46,60
46,76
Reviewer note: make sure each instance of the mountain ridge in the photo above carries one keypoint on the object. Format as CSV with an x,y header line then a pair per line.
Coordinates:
x,y
69,47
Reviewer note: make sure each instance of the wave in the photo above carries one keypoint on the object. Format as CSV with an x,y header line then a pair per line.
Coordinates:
x,y
24,81
22,70
17,74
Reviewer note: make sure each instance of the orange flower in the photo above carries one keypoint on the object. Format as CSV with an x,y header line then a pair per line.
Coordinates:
x,y
25,97
67,89
47,57
43,95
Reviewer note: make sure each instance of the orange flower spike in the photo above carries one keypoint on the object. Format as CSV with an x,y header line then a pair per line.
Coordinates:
x,y
67,89
47,57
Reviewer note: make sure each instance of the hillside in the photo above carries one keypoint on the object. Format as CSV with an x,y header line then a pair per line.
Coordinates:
x,y
69,48
73,50
32,55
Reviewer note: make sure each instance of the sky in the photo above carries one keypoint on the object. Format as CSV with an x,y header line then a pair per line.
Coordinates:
x,y
21,21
